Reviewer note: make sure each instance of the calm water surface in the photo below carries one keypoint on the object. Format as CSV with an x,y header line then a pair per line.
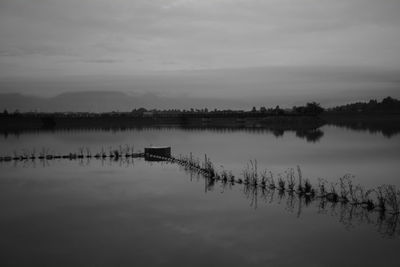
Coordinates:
x,y
141,213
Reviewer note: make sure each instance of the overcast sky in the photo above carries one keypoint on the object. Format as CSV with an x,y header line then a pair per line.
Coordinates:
x,y
49,40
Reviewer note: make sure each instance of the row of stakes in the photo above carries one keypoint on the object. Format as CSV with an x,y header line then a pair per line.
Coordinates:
x,y
207,171
71,156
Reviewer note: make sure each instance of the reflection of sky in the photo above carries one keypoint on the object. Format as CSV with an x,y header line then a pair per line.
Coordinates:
x,y
151,215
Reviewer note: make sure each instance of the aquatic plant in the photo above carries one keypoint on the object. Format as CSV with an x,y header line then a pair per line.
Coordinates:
x,y
264,179
33,154
344,190
300,188
81,150
246,174
208,167
254,173
392,198
332,196
290,180
231,177
271,181
308,189
321,187
281,183
103,153
352,192
380,192
88,152
224,176
364,197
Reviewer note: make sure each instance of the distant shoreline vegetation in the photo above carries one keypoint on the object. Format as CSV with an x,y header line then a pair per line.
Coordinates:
x,y
374,116
388,105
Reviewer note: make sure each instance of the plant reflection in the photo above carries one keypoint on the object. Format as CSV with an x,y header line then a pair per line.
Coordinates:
x,y
386,223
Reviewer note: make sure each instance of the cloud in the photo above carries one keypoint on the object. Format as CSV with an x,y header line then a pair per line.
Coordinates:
x,y
102,60
46,37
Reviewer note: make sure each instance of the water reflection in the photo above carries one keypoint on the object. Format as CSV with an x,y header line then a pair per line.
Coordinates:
x,y
312,135
311,132
386,125
351,216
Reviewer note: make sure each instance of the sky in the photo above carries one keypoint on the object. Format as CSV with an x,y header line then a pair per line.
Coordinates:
x,y
202,48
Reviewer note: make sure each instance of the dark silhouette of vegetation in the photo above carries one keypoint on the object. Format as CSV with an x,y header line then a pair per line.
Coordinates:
x,y
373,116
388,105
311,135
48,122
312,108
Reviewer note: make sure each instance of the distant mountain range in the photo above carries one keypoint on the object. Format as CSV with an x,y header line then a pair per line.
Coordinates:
x,y
222,89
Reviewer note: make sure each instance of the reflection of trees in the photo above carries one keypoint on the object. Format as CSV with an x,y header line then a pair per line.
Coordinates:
x,y
388,130
313,135
304,132
387,125
278,132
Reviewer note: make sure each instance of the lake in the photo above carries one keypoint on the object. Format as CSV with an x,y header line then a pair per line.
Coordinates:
x,y
140,213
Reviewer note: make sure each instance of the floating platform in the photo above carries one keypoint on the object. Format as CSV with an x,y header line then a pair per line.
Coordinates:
x,y
159,151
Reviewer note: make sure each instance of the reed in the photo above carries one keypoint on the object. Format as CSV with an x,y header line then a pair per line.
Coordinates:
x,y
246,175
254,173
281,183
308,189
88,152
392,198
380,192
264,179
300,188
81,152
344,191
231,178
332,196
271,181
290,180
208,167
352,192
224,176
116,154
365,198
103,153
33,154
322,187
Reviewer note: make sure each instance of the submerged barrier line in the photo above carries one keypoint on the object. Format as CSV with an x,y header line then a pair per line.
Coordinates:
x,y
384,199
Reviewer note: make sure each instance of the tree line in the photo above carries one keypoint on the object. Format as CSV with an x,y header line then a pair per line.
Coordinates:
x,y
387,105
